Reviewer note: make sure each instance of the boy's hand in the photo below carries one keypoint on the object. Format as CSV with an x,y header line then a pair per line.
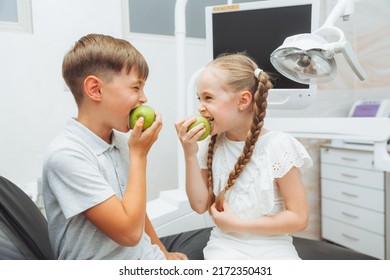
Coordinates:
x,y
175,256
141,142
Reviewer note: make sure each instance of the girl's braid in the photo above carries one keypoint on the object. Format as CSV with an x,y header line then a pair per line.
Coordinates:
x,y
211,197
259,111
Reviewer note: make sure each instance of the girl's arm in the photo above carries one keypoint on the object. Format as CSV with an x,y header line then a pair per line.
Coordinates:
x,y
196,186
294,218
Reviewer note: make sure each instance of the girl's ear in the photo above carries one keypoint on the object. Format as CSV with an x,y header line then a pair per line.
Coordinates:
x,y
92,87
245,100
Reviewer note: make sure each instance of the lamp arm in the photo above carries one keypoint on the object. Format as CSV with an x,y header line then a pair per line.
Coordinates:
x,y
343,8
342,46
345,48
352,60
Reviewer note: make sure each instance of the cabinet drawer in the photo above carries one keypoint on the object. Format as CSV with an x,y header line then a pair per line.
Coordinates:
x,y
355,216
356,195
351,158
354,238
362,177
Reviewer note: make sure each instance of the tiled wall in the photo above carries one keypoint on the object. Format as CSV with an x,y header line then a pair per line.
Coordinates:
x,y
311,180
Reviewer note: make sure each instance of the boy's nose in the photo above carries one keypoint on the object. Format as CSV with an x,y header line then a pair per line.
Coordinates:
x,y
142,98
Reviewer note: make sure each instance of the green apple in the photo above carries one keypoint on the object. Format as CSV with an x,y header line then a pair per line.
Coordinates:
x,y
201,119
144,111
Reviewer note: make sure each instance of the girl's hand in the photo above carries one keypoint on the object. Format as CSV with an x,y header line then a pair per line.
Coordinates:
x,y
140,142
226,220
189,139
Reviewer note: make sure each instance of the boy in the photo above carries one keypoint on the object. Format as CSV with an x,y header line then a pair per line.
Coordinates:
x,y
94,179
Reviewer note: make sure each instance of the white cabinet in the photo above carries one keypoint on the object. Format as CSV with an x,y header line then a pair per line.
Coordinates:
x,y
353,200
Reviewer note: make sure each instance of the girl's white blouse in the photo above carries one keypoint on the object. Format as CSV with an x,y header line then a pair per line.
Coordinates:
x,y
255,192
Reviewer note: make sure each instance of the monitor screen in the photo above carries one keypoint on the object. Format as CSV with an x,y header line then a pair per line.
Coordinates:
x,y
258,28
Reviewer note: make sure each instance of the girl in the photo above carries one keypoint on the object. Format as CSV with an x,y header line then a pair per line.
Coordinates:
x,y
246,177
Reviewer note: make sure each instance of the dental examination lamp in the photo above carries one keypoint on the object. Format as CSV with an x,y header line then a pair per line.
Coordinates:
x,y
309,58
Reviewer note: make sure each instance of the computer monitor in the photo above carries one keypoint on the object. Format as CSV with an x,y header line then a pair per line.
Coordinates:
x,y
258,28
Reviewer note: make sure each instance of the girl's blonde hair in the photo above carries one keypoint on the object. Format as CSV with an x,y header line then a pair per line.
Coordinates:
x,y
102,56
239,76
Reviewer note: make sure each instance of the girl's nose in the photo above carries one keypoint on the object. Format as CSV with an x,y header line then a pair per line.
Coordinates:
x,y
201,108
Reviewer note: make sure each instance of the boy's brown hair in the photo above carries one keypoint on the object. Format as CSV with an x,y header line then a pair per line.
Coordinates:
x,y
102,56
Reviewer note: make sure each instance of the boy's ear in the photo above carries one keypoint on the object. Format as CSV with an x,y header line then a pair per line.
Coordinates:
x,y
92,86
245,100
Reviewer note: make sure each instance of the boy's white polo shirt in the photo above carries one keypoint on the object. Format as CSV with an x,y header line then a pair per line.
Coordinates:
x,y
80,171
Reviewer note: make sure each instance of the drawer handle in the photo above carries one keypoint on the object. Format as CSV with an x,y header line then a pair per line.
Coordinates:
x,y
349,159
349,175
349,194
350,237
349,215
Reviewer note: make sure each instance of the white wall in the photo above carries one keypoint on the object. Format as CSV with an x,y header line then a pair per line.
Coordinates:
x,y
34,105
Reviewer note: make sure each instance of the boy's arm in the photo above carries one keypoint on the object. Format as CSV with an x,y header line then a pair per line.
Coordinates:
x,y
124,220
149,229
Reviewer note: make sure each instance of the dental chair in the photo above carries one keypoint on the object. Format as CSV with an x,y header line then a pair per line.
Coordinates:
x,y
23,228
24,233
